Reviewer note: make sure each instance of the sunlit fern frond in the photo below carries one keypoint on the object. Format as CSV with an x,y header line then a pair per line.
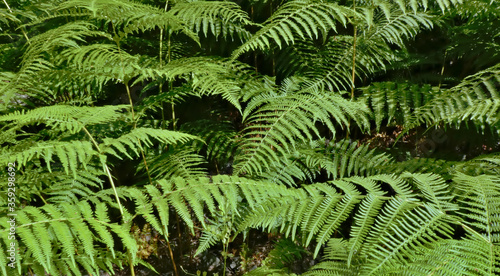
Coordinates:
x,y
322,208
220,18
136,139
276,122
294,20
65,118
62,238
337,159
126,17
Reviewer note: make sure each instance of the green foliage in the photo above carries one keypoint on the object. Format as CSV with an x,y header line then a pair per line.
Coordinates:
x,y
221,18
274,127
235,116
62,238
296,19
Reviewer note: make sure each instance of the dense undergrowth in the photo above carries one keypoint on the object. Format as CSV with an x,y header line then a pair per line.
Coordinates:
x,y
250,137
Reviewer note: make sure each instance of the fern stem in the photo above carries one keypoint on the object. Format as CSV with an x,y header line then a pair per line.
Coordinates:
x,y
354,54
173,116
160,87
126,80
353,66
225,249
131,264
442,69
172,257
22,28
43,199
129,98
106,168
114,188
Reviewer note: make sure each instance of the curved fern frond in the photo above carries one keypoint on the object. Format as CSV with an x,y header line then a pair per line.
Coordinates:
x,y
294,19
475,99
130,15
61,238
277,122
65,118
134,140
221,18
396,102
70,154
320,211
338,159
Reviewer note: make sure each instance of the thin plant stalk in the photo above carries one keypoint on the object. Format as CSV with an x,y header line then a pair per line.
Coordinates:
x,y
22,28
160,88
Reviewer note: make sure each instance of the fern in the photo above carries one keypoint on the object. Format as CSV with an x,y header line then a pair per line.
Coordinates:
x,y
34,62
70,154
220,193
371,50
279,113
221,18
180,163
69,228
134,139
338,160
219,139
64,117
323,209
475,99
296,18
131,16
277,121
396,102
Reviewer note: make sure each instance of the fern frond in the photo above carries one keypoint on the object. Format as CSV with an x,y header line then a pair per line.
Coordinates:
x,y
285,251
320,212
338,159
131,142
208,76
396,102
131,16
60,238
221,18
219,138
469,256
181,163
333,63
294,19
421,225
34,61
479,197
106,61
276,122
422,165
192,197
475,99
65,118
395,25
70,154
61,189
